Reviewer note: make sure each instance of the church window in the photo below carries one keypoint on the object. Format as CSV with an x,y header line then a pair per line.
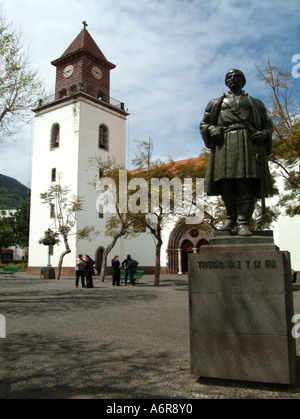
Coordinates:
x,y
62,93
53,175
101,211
55,131
73,89
103,137
89,91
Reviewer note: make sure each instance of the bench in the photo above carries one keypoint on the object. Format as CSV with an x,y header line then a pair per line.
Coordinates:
x,y
137,276
9,271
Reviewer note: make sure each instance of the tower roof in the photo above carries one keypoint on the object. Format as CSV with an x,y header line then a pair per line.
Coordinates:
x,y
84,43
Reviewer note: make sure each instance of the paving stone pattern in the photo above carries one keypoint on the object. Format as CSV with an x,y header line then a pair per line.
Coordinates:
x,y
107,342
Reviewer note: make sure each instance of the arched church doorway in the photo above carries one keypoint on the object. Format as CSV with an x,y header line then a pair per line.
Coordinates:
x,y
99,256
187,248
183,240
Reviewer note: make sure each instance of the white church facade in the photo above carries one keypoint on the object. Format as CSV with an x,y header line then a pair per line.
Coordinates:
x,y
81,122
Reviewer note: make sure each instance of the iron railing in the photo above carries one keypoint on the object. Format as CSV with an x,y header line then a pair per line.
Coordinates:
x,y
91,92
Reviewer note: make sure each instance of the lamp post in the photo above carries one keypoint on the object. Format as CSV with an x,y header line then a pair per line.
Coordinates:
x,y
48,235
49,272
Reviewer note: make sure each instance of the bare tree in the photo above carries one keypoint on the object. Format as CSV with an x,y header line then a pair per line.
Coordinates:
x,y
20,86
285,114
66,208
118,223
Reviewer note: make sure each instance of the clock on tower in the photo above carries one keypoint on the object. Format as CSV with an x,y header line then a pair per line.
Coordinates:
x,y
83,67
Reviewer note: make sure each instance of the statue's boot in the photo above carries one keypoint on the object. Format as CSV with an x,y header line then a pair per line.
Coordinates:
x,y
245,209
231,217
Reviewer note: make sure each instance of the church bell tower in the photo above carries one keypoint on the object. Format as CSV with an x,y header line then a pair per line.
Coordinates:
x,y
79,123
83,67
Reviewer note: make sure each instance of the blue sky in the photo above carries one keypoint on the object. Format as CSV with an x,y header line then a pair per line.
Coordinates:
x,y
171,58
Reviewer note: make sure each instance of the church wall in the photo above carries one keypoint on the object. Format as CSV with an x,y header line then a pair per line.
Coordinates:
x,y
79,127
64,159
286,229
286,235
91,117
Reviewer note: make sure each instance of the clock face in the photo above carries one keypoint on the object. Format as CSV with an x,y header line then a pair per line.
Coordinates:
x,y
97,73
68,71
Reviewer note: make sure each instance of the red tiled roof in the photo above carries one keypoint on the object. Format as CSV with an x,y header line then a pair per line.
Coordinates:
x,y
84,41
197,161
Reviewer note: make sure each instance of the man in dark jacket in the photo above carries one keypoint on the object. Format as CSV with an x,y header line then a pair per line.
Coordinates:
x,y
124,266
80,266
238,130
116,271
131,269
89,271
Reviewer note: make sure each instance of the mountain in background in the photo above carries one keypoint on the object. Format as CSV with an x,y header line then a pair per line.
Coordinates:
x,y
12,192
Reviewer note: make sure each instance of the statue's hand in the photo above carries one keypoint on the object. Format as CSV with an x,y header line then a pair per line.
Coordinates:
x,y
259,137
215,131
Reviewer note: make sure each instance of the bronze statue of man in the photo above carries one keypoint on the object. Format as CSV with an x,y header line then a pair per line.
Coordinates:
x,y
237,129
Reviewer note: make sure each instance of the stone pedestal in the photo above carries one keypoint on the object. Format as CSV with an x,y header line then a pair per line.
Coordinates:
x,y
241,306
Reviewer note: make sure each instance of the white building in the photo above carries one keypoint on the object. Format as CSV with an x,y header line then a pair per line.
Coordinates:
x,y
287,229
80,122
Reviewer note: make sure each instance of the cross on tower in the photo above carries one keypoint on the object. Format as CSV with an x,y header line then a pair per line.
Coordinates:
x,y
85,24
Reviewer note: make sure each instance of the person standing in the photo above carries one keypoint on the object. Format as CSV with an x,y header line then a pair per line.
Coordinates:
x,y
116,275
131,268
124,265
237,129
79,268
89,271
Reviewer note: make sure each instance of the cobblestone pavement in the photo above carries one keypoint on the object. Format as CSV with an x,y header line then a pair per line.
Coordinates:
x,y
107,342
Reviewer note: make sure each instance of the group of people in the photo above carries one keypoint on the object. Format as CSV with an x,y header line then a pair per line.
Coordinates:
x,y
130,265
84,271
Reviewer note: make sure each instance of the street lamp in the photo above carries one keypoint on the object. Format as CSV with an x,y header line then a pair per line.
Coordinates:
x,y
48,235
49,272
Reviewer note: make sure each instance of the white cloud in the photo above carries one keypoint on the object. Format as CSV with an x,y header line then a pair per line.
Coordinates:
x,y
171,55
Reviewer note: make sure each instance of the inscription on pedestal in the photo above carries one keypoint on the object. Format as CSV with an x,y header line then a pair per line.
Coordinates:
x,y
236,264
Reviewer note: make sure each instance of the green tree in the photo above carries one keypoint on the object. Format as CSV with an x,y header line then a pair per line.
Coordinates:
x,y
7,230
285,114
66,208
117,224
144,155
20,86
154,222
164,212
131,224
21,224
